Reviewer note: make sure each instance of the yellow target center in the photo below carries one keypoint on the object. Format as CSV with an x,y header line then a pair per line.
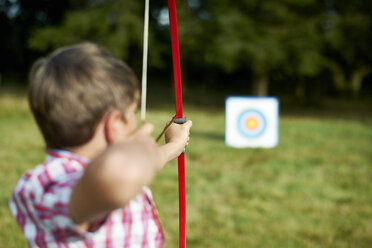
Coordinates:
x,y
251,123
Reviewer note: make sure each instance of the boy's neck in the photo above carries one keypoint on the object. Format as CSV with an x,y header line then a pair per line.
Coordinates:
x,y
89,152
93,147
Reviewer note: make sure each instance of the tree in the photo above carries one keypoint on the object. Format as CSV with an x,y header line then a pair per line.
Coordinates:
x,y
261,35
347,48
117,25
17,19
300,38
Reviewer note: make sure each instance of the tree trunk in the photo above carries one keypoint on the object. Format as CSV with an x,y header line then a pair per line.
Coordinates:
x,y
300,93
339,78
357,78
261,84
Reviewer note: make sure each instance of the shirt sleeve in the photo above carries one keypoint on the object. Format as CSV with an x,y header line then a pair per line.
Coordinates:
x,y
52,208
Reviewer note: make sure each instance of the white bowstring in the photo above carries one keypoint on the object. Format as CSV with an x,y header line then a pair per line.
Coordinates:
x,y
144,60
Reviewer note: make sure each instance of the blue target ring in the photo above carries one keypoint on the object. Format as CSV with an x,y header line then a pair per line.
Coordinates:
x,y
251,123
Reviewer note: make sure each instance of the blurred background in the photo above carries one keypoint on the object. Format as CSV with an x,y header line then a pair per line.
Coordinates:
x,y
303,51
313,190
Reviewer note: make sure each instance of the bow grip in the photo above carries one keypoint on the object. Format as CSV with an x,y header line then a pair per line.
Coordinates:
x,y
181,121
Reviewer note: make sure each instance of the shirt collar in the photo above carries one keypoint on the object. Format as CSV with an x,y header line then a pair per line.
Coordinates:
x,y
57,153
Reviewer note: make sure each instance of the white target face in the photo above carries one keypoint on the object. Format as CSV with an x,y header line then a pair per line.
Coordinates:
x,y
251,123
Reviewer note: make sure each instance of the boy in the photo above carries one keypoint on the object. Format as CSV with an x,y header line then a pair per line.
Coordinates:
x,y
91,190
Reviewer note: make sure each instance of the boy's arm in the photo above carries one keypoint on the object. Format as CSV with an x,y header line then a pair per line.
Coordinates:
x,y
120,173
114,178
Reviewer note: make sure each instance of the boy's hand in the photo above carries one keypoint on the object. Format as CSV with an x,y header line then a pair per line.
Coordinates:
x,y
176,138
179,134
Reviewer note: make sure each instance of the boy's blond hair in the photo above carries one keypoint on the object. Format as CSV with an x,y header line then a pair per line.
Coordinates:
x,y
73,88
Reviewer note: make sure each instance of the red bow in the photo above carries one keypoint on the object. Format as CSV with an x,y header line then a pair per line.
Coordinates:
x,y
179,115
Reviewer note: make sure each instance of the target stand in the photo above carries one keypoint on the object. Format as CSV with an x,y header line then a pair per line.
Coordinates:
x,y
252,121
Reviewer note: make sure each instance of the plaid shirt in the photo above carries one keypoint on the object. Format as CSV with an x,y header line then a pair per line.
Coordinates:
x,y
40,205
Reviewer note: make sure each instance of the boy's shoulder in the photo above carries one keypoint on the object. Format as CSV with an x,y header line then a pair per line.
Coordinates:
x,y
59,168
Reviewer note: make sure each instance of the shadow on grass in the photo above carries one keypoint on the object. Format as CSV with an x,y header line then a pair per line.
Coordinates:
x,y
161,96
13,88
206,99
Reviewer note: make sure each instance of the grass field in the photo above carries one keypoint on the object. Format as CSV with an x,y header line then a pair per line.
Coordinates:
x,y
313,190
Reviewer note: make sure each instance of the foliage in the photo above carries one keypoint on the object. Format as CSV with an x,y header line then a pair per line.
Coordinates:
x,y
17,20
264,35
308,42
117,25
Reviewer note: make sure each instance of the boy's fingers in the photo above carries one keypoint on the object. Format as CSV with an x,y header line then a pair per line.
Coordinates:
x,y
188,124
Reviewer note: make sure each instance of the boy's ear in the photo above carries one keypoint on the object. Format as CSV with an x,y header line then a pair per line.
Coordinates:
x,y
114,126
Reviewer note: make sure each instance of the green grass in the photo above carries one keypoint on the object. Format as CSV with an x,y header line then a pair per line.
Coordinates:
x,y
313,190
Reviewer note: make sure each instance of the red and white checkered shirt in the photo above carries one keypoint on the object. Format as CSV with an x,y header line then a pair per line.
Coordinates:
x,y
40,205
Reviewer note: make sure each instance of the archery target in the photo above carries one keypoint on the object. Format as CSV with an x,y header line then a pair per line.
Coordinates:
x,y
252,121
